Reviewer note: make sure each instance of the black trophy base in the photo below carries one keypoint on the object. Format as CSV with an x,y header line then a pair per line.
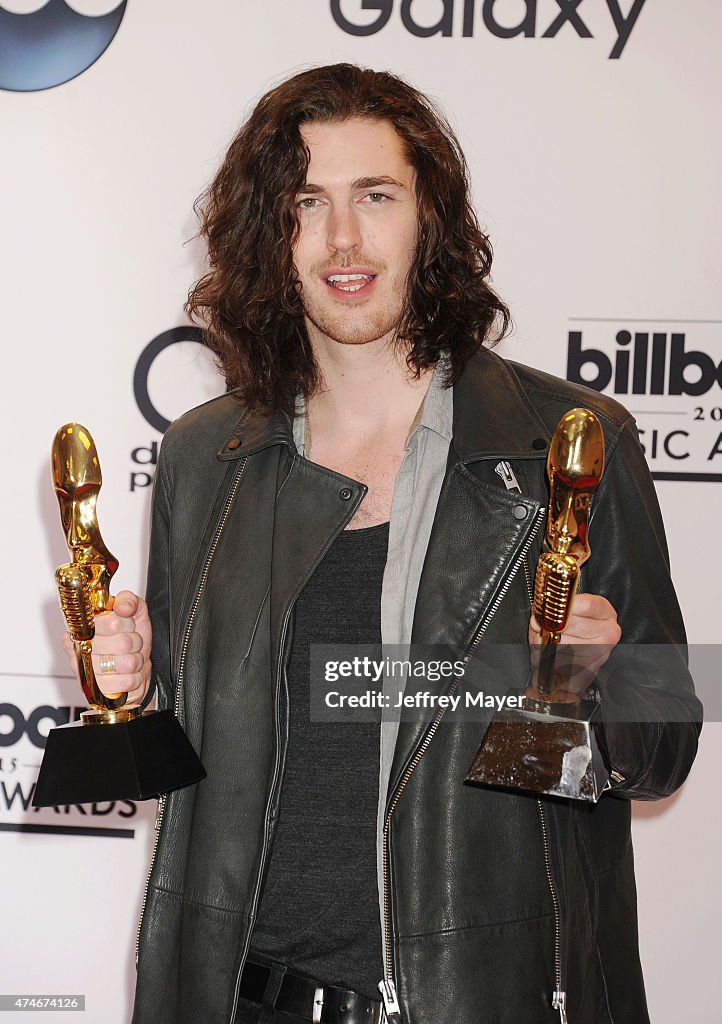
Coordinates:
x,y
543,753
133,760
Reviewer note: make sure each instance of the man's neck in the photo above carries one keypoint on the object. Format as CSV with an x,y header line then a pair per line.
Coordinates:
x,y
368,389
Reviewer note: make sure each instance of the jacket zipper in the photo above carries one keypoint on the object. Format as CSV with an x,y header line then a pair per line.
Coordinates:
x,y
259,880
387,986
266,830
559,997
181,665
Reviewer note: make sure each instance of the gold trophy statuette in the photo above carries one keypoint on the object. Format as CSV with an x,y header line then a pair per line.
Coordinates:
x,y
115,751
551,745
84,583
574,467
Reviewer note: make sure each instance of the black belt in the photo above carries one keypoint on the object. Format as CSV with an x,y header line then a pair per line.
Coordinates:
x,y
306,997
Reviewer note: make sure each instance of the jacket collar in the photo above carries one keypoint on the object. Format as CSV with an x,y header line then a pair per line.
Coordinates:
x,y
492,416
255,431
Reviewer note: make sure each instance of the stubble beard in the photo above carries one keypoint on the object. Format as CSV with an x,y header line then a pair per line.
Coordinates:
x,y
356,329
349,325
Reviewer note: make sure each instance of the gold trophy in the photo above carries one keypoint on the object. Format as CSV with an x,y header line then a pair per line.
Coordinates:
x,y
552,745
142,754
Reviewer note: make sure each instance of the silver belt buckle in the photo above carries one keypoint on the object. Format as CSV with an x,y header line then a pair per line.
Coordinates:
x,y
317,1006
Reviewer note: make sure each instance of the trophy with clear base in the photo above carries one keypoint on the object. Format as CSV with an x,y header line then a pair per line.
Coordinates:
x,y
554,745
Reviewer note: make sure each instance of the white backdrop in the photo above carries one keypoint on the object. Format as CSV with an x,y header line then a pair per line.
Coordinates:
x,y
598,179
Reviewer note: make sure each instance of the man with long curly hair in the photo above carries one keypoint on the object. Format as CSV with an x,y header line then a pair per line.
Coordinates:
x,y
375,474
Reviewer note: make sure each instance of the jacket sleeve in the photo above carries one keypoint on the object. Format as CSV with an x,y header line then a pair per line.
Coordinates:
x,y
651,715
157,590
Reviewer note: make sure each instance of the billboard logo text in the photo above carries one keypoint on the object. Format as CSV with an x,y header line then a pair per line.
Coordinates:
x,y
643,365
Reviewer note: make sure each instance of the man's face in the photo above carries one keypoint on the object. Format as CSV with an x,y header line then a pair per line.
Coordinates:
x,y
357,231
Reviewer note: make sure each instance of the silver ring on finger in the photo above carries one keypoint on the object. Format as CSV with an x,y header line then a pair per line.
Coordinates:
x,y
107,664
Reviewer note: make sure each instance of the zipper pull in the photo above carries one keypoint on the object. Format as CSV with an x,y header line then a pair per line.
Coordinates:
x,y
559,1002
504,470
159,812
392,1010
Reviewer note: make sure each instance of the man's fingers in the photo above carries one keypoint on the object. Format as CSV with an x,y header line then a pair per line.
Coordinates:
x,y
110,623
125,665
115,684
593,620
126,603
592,606
117,643
582,630
123,641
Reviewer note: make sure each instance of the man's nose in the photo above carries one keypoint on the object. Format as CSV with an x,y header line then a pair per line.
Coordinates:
x,y
344,230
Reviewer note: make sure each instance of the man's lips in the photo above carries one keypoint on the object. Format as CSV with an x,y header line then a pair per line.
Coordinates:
x,y
350,282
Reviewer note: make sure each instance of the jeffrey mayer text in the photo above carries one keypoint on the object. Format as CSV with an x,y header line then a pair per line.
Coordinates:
x,y
422,699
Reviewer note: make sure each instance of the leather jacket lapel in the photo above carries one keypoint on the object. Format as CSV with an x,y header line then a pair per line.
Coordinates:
x,y
312,506
478,535
479,529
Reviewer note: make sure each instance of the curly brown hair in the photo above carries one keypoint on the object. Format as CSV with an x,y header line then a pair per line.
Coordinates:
x,y
249,301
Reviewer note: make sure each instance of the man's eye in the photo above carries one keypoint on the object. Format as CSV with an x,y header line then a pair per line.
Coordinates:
x,y
308,203
376,198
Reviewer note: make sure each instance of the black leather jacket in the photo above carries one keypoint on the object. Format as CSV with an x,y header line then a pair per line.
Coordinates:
x,y
494,900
